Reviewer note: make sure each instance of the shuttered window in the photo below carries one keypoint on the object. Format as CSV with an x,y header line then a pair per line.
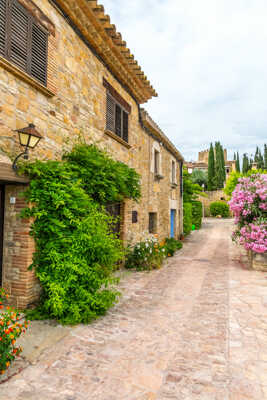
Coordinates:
x,y
118,122
22,40
125,126
117,118
3,12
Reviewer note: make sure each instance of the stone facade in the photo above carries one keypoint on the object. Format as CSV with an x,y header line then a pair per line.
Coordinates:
x,y
73,105
203,160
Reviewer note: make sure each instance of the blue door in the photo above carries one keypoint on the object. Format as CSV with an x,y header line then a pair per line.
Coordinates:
x,y
173,219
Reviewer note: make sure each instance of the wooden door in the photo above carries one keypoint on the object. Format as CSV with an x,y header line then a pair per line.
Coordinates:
x,y
2,199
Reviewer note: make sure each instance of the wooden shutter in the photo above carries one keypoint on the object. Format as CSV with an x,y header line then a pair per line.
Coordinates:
x,y
18,48
125,126
39,53
3,17
110,117
118,121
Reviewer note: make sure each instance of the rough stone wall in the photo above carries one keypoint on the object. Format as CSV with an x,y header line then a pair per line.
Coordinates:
x,y
203,156
215,195
77,109
20,283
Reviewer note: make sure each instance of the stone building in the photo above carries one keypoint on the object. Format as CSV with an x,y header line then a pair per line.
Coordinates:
x,y
65,69
203,159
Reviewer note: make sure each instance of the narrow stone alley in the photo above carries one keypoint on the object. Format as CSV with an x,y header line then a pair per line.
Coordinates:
x,y
194,330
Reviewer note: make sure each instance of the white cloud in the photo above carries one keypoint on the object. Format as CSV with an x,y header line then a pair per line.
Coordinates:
x,y
208,62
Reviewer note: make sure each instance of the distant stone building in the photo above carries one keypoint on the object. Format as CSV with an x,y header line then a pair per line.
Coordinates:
x,y
202,163
65,68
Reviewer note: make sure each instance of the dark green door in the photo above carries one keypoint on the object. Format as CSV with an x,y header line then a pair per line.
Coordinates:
x,y
2,202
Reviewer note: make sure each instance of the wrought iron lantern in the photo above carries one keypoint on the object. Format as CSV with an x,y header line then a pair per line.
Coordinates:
x,y
29,137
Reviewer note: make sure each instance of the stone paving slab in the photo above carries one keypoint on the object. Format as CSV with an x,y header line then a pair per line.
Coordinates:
x,y
193,330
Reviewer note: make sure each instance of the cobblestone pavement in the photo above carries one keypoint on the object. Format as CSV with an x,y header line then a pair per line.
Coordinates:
x,y
194,330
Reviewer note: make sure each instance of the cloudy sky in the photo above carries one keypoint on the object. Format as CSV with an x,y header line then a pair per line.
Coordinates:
x,y
208,62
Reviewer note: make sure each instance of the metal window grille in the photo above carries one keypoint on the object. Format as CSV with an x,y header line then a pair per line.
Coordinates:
x,y
152,228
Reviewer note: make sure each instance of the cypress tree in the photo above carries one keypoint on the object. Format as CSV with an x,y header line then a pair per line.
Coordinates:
x,y
211,169
237,163
234,157
256,157
223,170
219,173
260,161
245,164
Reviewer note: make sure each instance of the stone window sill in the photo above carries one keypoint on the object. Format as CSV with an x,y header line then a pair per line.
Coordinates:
x,y
117,138
24,76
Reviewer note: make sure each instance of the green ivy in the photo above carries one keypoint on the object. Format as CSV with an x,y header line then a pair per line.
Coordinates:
x,y
187,218
76,252
197,212
103,178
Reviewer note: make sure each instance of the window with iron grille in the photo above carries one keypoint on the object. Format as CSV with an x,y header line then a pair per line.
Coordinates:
x,y
152,228
134,217
117,118
22,40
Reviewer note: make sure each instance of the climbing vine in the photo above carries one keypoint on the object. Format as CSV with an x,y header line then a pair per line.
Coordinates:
x,y
76,250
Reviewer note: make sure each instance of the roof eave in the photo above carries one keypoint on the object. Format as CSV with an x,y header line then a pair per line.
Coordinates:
x,y
155,129
90,18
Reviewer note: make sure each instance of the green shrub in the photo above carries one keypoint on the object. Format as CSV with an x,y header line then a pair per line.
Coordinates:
x,y
187,218
219,208
197,212
76,252
146,255
172,245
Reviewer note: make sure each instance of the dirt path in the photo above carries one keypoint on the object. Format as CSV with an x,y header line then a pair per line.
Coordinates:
x,y
194,330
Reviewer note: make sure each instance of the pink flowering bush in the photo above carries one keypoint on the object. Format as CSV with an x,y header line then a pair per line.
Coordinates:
x,y
249,205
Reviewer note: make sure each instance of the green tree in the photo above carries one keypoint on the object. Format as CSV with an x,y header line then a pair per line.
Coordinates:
x,y
260,164
256,156
265,156
234,157
219,168
190,189
211,169
223,164
231,182
200,177
237,163
245,164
